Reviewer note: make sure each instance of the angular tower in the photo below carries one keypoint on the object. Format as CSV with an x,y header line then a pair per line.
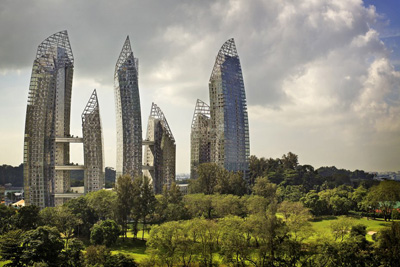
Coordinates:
x,y
129,121
47,122
160,150
200,142
230,146
93,145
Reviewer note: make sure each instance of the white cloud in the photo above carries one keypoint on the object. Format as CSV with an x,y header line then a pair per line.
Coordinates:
x,y
318,79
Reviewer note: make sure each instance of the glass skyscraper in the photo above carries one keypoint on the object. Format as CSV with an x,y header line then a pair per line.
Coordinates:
x,y
200,137
160,151
47,122
93,146
228,125
128,114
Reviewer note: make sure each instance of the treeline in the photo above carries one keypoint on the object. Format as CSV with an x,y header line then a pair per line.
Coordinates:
x,y
15,176
287,171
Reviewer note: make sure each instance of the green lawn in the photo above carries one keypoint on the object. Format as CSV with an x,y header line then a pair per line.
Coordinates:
x,y
135,248
322,228
131,247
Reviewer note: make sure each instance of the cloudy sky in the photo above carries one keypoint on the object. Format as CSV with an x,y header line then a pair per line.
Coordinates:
x,y
322,77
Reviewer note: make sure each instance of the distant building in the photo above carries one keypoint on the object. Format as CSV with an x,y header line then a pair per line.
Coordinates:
x,y
226,133
128,114
160,151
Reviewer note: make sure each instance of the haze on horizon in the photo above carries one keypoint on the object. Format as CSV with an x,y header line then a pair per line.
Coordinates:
x,y
322,78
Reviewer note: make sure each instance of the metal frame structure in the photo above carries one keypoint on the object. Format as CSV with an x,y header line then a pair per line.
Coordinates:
x,y
128,114
48,118
230,144
200,137
93,145
160,150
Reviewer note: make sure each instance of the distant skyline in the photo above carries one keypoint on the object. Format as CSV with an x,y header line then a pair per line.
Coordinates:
x,y
322,78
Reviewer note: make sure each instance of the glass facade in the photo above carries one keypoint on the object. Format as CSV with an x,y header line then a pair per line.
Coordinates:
x,y
93,146
160,151
230,145
128,114
47,118
200,137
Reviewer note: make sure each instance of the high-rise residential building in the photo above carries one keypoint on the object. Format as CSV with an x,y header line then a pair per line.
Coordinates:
x,y
128,114
47,126
200,141
93,146
229,127
160,150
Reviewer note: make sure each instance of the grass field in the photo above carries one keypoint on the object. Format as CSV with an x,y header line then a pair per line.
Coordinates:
x,y
131,247
135,248
322,228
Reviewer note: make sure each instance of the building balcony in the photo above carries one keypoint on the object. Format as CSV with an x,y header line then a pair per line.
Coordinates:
x,y
69,167
69,140
149,168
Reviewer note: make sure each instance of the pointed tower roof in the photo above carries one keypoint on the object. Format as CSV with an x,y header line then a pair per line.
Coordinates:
x,y
91,106
201,109
227,49
157,113
59,39
126,56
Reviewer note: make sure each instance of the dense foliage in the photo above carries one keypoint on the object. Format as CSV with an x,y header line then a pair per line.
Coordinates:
x,y
264,221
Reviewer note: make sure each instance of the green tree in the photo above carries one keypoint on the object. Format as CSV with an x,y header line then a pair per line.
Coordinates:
x,y
119,260
164,241
316,205
269,237
63,219
207,234
290,161
225,205
10,247
258,204
170,206
264,188
358,197
388,246
125,201
43,244
233,243
207,178
199,205
296,217
146,201
7,214
72,255
105,233
385,196
85,214
257,167
238,185
27,217
341,228
103,203
96,255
